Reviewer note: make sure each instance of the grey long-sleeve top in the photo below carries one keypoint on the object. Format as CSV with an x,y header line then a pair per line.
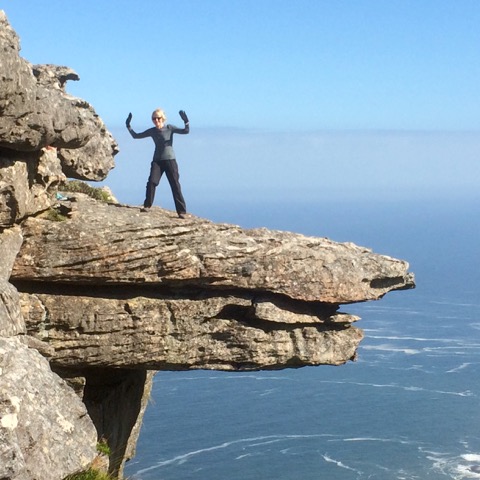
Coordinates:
x,y
163,139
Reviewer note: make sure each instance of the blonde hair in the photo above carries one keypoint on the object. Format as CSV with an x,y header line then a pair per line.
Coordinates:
x,y
159,113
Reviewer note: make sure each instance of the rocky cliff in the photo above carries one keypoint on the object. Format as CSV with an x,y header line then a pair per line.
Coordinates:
x,y
95,296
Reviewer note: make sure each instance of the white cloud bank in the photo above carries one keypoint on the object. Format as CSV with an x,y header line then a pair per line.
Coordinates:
x,y
348,165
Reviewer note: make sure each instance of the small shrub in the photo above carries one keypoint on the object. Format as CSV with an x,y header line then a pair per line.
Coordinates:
x,y
76,186
54,215
89,474
102,447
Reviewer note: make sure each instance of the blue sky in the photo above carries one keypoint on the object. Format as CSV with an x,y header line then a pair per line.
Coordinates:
x,y
338,97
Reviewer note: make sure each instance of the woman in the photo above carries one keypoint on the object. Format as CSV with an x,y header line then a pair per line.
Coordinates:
x,y
164,157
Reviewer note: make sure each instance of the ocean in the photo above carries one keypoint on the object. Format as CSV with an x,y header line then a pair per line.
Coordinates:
x,y
407,409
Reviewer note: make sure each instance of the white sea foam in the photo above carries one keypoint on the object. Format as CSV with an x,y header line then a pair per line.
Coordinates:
x,y
454,304
340,464
415,339
243,456
267,442
457,468
375,439
418,368
458,351
465,393
250,443
407,388
471,457
456,348
220,377
391,348
268,392
373,330
460,367
466,472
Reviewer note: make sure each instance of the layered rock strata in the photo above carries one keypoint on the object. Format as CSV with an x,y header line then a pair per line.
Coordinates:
x,y
112,286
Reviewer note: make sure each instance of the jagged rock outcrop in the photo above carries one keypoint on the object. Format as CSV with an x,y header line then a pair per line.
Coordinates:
x,y
103,295
44,428
36,112
45,135
24,183
114,286
119,245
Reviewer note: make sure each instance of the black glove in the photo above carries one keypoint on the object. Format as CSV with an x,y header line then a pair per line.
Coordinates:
x,y
183,115
128,120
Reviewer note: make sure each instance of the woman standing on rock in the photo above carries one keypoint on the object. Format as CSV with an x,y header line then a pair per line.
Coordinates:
x,y
163,158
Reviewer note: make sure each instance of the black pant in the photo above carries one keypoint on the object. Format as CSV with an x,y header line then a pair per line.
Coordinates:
x,y
170,168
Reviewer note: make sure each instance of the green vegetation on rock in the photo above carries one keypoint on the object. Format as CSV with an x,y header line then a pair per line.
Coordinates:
x,y
89,474
76,186
54,215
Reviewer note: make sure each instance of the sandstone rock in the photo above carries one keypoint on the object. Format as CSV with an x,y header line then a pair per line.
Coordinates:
x,y
11,241
54,76
16,86
116,400
11,320
49,168
167,333
36,113
113,286
110,244
19,196
44,430
41,347
94,160
289,312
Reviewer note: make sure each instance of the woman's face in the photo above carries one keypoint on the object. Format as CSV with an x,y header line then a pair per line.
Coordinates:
x,y
158,121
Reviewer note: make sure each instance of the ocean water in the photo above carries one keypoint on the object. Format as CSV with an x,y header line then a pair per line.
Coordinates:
x,y
407,409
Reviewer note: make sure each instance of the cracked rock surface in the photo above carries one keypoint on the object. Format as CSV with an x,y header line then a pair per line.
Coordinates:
x,y
110,244
36,112
44,428
114,286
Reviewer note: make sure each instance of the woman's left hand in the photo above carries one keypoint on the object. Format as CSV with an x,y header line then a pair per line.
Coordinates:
x,y
183,115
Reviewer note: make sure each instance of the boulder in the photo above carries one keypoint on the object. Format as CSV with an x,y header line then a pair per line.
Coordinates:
x,y
19,195
37,113
45,431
